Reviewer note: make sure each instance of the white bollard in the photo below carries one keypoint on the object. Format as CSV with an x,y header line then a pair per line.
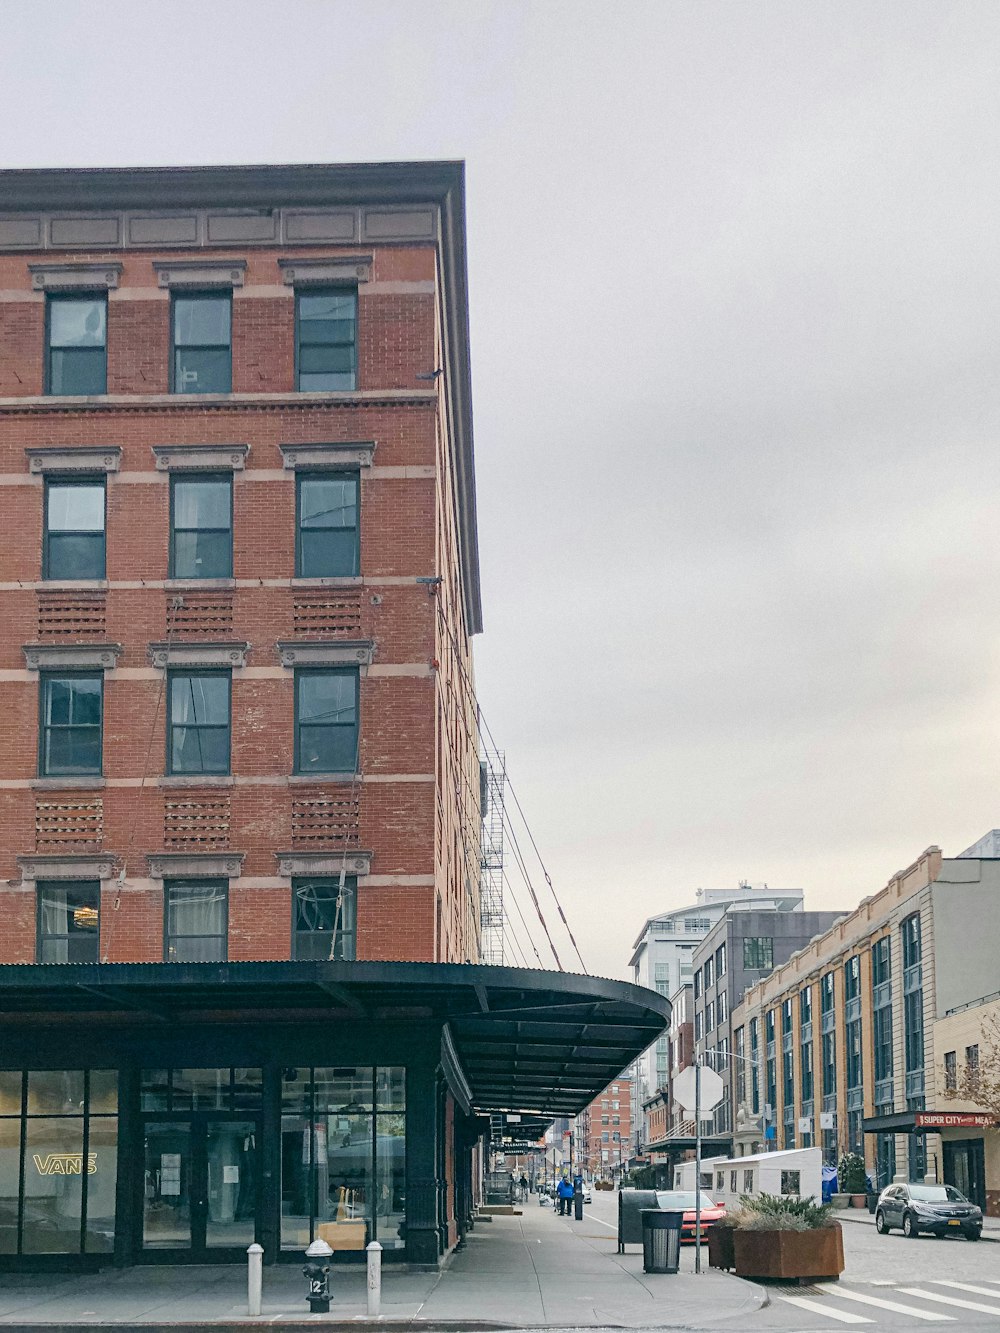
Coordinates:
x,y
374,1278
255,1278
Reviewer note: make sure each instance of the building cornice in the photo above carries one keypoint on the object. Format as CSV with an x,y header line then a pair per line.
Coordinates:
x,y
224,402
298,206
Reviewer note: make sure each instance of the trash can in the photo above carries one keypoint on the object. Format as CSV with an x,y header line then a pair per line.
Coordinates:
x,y
661,1239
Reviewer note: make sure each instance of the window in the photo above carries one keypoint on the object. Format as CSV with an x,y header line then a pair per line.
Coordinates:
x,y
325,340
326,525
720,1007
972,1066
748,1180
852,978
913,1030
740,1066
829,1056
201,527
709,1017
326,720
343,1156
709,974
605,1136
697,984
198,722
77,354
882,1042
69,921
806,1063
195,921
790,1182
720,961
324,920
826,993
614,1087
661,971
769,1026
605,1120
786,1017
696,924
70,732
48,1126
951,1070
758,953
805,1006
881,971
697,1027
616,1120
754,1066
74,530
852,1037
910,933
202,358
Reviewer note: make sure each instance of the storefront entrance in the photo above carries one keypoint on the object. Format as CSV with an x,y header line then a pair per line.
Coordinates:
x,y
965,1168
201,1195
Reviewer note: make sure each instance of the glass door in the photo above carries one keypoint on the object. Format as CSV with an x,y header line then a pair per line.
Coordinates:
x,y
167,1186
230,1184
200,1189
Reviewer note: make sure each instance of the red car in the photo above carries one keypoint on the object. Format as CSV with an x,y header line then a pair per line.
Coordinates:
x,y
710,1210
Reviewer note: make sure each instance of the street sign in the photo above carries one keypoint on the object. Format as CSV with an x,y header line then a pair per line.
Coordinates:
x,y
712,1089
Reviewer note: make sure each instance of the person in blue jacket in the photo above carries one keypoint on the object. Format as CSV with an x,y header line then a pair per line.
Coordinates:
x,y
565,1192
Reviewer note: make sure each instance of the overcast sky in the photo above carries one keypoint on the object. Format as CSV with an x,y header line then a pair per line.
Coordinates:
x,y
734,273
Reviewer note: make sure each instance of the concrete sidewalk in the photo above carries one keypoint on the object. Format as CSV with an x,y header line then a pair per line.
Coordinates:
x,y
533,1271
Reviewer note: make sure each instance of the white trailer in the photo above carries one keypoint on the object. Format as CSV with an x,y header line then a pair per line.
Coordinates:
x,y
797,1172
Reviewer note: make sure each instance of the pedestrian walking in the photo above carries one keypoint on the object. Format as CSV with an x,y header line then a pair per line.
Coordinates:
x,y
565,1193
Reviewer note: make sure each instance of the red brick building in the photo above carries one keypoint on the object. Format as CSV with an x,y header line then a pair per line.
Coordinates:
x,y
239,776
603,1131
255,515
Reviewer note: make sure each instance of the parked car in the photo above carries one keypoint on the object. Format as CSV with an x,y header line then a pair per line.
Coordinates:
x,y
685,1199
587,1197
939,1209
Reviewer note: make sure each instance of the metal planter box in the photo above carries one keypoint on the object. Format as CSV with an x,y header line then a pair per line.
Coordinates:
x,y
721,1247
790,1254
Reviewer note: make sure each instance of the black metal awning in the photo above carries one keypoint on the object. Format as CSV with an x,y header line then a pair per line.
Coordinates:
x,y
513,1039
894,1122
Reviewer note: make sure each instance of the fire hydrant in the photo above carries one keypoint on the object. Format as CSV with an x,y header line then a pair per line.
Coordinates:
x,y
317,1270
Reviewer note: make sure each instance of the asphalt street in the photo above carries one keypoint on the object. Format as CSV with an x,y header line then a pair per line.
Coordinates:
x,y
889,1282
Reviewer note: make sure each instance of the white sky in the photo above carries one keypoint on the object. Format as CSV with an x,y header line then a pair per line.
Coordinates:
x,y
734,273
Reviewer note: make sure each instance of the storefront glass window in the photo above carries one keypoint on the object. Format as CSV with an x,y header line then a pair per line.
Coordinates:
x,y
343,1166
10,1177
58,1161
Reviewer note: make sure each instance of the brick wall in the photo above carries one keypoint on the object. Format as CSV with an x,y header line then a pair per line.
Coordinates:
x,y
415,811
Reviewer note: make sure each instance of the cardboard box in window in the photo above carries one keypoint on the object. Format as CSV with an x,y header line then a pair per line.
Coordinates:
x,y
350,1235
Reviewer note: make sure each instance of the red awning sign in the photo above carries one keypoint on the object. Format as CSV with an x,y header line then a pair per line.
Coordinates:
x,y
953,1120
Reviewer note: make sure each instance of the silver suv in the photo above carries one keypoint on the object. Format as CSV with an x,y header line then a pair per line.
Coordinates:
x,y
939,1209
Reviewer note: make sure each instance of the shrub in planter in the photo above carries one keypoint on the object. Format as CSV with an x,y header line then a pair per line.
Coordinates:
x,y
779,1237
853,1179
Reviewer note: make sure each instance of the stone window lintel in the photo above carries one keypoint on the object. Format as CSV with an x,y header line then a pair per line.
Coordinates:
x,y
348,270
317,457
195,865
223,655
47,459
324,864
71,656
326,652
200,457
92,866
74,277
193,274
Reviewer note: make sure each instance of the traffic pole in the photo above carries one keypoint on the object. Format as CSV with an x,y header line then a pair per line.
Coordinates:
x,y
697,1164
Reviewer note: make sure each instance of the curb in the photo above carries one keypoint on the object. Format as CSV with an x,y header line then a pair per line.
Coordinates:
x,y
845,1216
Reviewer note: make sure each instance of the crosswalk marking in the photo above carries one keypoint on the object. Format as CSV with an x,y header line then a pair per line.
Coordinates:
x,y
968,1286
895,1306
814,1307
952,1300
